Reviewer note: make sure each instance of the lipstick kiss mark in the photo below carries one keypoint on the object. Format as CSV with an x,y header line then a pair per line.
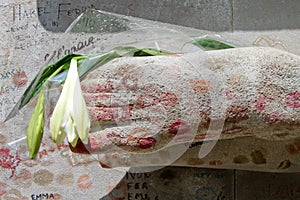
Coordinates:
x,y
84,181
20,79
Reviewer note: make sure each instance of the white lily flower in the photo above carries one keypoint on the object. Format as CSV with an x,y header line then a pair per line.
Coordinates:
x,y
70,116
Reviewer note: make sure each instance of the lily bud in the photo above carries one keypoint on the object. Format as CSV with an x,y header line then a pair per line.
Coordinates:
x,y
35,128
70,116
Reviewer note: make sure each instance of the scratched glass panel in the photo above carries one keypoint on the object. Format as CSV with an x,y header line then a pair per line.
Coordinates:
x,y
115,30
94,21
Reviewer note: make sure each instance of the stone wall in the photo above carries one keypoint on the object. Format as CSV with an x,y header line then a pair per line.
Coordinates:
x,y
27,43
214,15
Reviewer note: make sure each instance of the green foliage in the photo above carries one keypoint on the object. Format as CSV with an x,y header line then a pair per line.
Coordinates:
x,y
211,44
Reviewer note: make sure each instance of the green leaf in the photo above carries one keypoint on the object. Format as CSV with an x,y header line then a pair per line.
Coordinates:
x,y
38,82
35,128
211,44
125,51
93,61
42,77
133,51
150,52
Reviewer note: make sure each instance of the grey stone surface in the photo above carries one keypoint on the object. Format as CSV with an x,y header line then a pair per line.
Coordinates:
x,y
214,15
266,15
265,186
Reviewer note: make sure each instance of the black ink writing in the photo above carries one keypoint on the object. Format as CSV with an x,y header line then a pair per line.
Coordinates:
x,y
24,27
138,188
26,37
5,101
139,196
32,43
210,175
137,176
64,9
8,89
42,196
19,28
62,51
137,185
43,10
288,190
20,13
9,73
37,26
26,41
53,23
